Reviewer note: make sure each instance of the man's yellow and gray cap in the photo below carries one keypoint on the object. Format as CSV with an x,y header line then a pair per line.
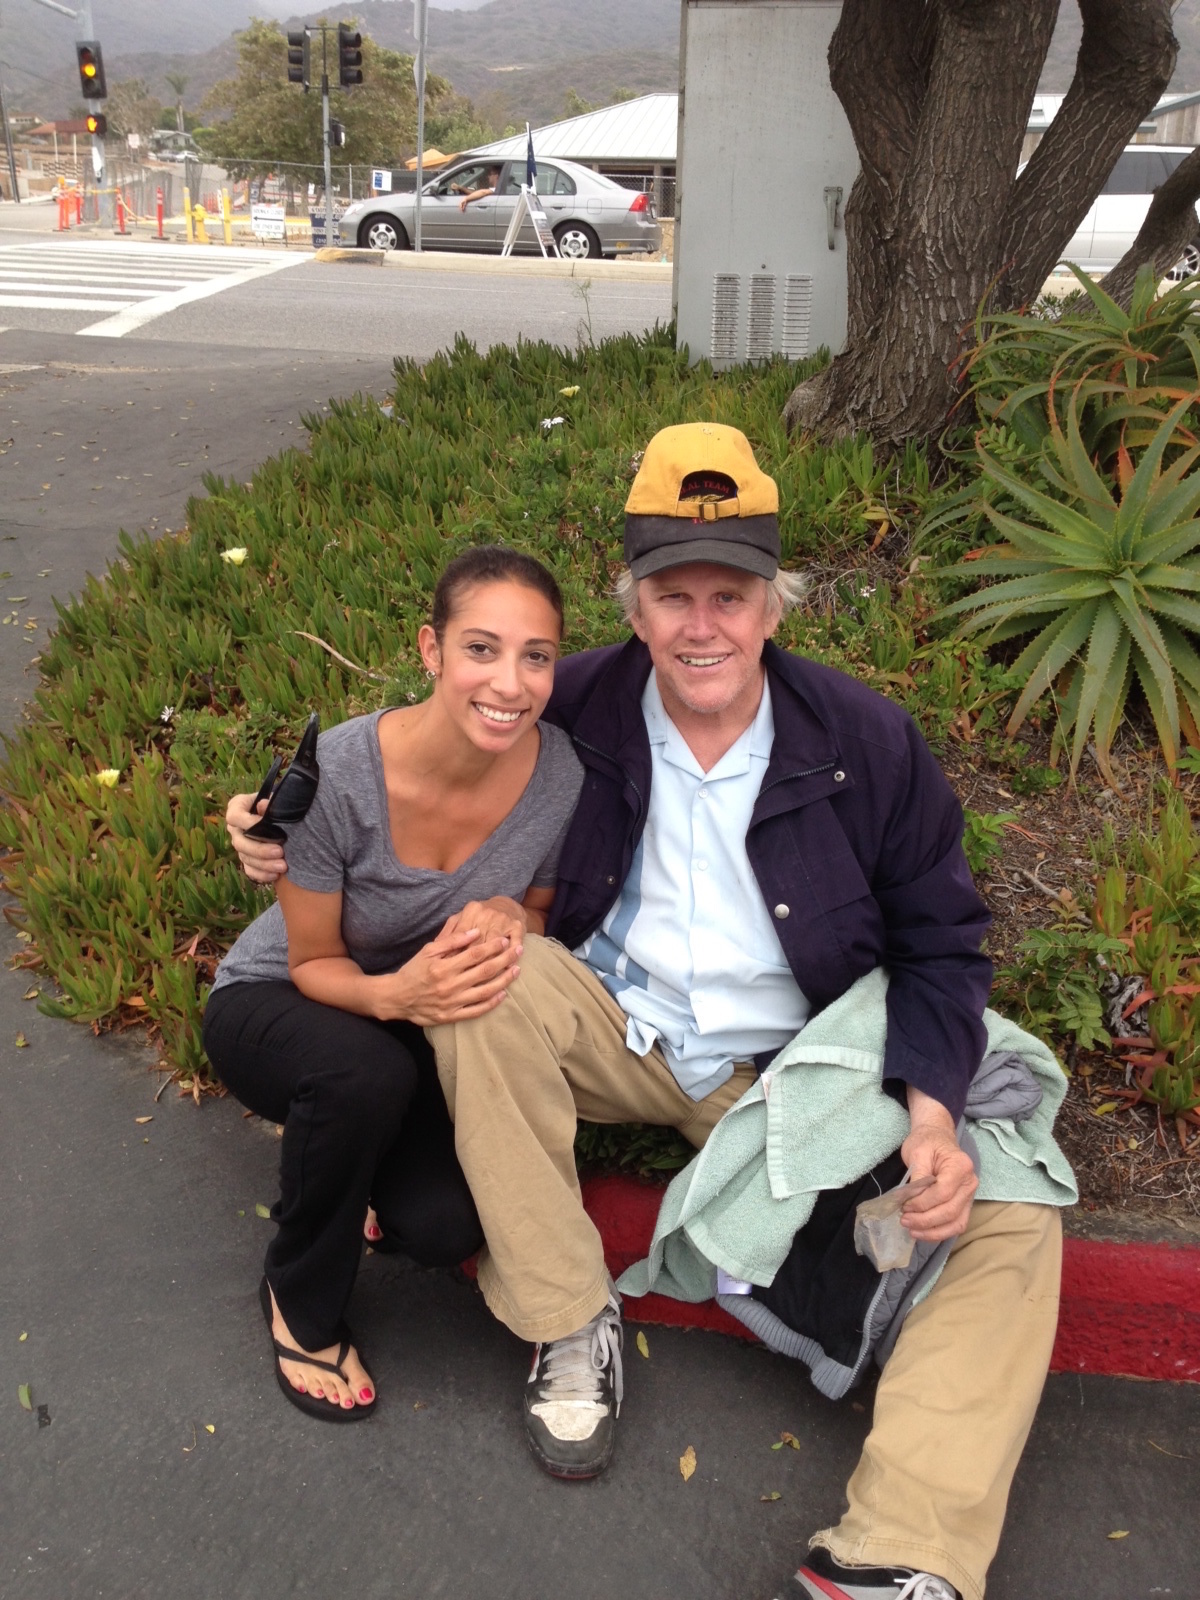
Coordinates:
x,y
699,495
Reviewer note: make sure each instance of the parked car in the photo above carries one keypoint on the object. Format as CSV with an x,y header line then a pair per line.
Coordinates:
x,y
1118,211
590,214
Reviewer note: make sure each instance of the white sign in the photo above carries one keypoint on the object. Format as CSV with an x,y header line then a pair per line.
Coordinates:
x,y
268,222
529,206
134,141
381,181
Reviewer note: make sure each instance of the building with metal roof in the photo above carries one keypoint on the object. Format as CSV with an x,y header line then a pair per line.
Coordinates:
x,y
633,142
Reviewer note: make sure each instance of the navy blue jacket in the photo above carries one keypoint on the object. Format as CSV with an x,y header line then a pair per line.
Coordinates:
x,y
855,840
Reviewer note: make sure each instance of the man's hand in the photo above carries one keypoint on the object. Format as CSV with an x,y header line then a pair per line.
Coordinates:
x,y
262,859
932,1150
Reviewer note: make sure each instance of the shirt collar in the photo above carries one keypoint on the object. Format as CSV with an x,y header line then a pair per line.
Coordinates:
x,y
669,744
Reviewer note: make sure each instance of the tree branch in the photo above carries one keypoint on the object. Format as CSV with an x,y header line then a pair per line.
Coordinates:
x,y
1125,61
1169,228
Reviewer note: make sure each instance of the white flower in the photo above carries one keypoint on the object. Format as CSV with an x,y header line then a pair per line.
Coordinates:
x,y
552,422
236,555
109,777
570,390
166,713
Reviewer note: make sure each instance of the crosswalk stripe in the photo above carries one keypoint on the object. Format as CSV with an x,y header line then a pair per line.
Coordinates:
x,y
103,291
130,283
31,302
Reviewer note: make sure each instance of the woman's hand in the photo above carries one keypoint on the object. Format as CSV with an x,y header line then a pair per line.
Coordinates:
x,y
498,917
459,975
262,859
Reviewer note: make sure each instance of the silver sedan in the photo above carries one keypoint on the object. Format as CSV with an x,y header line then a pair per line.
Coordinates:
x,y
589,214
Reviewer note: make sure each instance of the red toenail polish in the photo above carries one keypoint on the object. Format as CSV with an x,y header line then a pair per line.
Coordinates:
x,y
364,1394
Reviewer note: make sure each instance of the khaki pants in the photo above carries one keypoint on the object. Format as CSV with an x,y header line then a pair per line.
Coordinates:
x,y
957,1397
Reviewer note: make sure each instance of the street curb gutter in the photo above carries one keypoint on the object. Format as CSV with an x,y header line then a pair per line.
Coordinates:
x,y
361,258
596,271
1128,1310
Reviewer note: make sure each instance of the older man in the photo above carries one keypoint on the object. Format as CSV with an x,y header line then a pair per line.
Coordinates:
x,y
755,833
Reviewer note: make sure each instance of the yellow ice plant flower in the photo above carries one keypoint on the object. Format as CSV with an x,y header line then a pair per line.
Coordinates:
x,y
570,390
109,777
236,556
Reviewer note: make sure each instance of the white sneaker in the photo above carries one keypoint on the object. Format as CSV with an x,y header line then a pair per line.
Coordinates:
x,y
573,1397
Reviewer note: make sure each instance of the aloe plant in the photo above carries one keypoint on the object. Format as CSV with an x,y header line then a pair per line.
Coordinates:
x,y
1103,574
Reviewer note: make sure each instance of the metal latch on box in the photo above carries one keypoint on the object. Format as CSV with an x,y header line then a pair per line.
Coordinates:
x,y
833,200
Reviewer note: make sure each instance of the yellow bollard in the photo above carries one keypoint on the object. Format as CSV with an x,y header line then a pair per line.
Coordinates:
x,y
187,216
200,218
227,216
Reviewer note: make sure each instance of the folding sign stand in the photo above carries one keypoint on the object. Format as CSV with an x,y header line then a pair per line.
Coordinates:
x,y
528,205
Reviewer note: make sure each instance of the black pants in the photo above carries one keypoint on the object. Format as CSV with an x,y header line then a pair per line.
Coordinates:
x,y
364,1120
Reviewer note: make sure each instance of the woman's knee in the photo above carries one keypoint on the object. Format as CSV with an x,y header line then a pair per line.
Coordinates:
x,y
438,1226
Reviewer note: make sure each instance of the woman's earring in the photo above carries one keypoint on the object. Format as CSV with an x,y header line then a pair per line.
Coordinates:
x,y
431,674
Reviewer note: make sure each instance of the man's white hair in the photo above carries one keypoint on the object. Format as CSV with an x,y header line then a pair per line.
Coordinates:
x,y
787,590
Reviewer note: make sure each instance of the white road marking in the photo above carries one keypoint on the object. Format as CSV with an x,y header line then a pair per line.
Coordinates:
x,y
132,282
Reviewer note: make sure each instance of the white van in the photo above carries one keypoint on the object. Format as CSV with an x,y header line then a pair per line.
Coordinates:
x,y
1118,211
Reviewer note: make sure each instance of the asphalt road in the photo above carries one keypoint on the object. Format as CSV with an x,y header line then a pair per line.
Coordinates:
x,y
130,1253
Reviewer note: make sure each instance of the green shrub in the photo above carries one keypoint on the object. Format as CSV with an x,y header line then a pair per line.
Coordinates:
x,y
187,667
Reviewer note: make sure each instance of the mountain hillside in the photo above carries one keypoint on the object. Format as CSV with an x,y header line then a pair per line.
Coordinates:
x,y
515,59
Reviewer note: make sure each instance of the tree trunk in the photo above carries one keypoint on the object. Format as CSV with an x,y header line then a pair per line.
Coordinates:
x,y
1170,227
937,93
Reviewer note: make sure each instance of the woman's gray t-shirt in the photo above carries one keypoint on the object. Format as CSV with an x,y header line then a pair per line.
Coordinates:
x,y
390,910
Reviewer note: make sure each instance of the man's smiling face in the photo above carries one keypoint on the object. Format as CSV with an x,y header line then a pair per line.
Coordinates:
x,y
705,626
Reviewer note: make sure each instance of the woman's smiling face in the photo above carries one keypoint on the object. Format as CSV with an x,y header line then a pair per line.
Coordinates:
x,y
495,661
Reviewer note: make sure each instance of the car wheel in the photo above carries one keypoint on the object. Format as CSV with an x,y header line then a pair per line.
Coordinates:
x,y
576,241
382,233
1188,264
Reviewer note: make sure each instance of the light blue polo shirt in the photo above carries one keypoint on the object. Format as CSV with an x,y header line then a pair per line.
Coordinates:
x,y
689,951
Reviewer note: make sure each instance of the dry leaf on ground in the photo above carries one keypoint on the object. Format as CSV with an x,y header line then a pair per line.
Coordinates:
x,y
774,1495
643,1346
25,1396
687,1463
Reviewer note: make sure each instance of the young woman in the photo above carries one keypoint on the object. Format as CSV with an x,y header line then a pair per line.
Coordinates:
x,y
430,850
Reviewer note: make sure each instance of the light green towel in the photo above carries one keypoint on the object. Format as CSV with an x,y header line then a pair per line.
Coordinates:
x,y
818,1119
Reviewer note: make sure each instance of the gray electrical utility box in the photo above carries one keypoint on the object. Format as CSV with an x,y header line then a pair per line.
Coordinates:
x,y
766,160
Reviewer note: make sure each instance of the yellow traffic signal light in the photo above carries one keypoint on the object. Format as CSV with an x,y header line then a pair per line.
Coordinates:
x,y
91,69
97,124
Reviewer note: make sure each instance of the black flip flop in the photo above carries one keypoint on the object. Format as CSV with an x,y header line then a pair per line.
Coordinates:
x,y
309,1404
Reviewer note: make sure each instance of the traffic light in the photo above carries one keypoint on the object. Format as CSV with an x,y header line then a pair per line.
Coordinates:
x,y
97,124
91,69
298,59
349,56
337,132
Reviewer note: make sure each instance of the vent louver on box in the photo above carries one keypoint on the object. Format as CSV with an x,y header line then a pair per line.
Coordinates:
x,y
797,315
726,294
760,316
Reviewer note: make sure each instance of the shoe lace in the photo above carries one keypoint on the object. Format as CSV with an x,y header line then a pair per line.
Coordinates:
x,y
924,1586
572,1366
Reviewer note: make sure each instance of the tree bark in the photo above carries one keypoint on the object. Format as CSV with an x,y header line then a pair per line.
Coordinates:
x,y
941,186
937,94
1126,58
1169,228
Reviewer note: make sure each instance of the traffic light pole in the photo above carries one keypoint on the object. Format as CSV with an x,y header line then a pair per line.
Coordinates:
x,y
83,30
8,144
325,139
421,33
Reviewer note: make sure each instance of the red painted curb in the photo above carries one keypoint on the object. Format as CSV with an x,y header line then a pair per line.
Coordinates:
x,y
1128,1310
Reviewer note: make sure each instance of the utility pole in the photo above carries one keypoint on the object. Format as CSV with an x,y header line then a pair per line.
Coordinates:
x,y
8,145
421,34
84,33
325,138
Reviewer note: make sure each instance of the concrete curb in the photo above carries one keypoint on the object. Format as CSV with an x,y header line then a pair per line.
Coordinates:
x,y
1128,1310
625,271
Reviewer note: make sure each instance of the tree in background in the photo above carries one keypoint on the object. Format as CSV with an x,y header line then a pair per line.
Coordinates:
x,y
178,81
270,122
938,94
131,108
